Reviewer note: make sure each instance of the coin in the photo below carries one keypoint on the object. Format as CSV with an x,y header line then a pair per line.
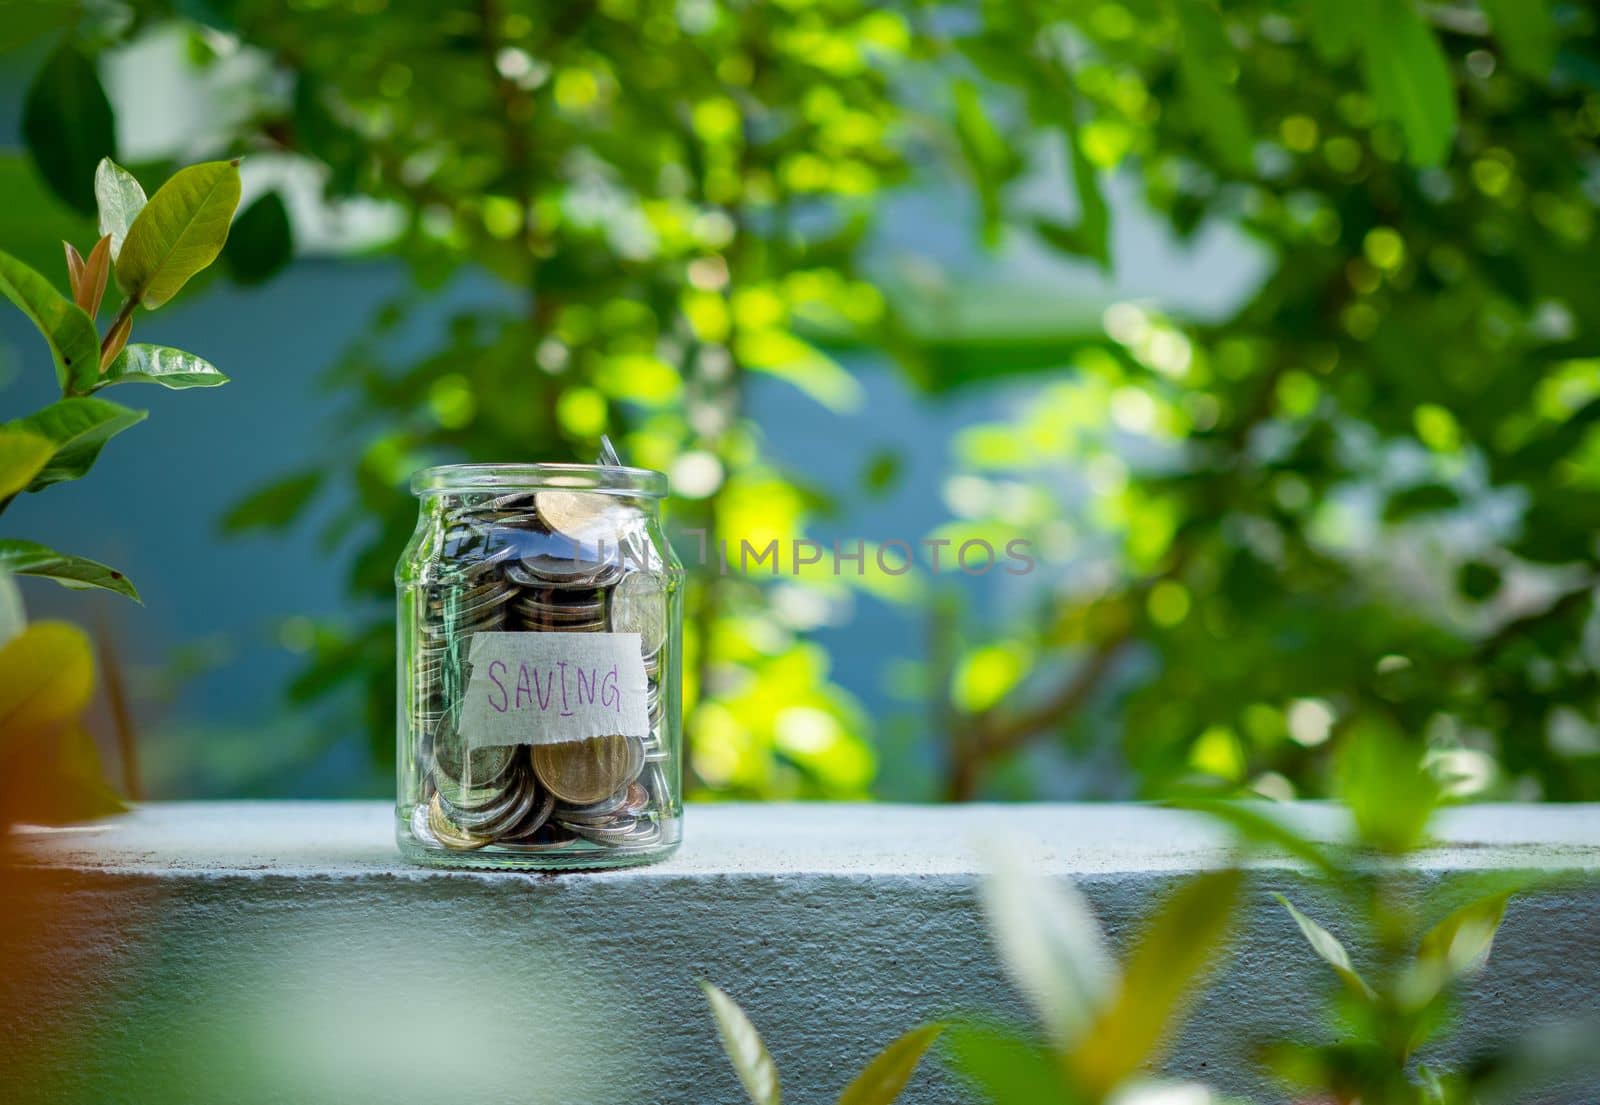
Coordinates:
x,y
583,772
639,605
582,516
538,814
480,765
449,835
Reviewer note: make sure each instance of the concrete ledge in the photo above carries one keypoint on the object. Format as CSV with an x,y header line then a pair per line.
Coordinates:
x,y
283,952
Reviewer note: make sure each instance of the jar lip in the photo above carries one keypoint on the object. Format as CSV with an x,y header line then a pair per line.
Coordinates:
x,y
611,478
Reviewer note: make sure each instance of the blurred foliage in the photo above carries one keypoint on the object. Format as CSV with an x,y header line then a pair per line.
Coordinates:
x,y
1366,496
1389,1006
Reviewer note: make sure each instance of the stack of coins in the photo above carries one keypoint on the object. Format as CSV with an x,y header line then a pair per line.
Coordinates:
x,y
538,562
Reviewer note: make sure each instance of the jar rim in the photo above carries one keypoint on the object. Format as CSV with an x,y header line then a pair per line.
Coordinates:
x,y
608,478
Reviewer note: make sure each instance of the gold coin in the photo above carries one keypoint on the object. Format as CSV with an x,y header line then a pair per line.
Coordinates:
x,y
449,834
584,772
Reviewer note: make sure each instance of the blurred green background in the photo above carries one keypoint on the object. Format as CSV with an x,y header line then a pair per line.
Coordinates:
x,y
1271,325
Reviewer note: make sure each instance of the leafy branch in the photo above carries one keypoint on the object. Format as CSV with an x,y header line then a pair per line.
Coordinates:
x,y
151,247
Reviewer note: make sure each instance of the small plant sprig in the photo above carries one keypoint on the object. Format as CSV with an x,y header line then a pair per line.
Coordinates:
x,y
1103,1025
1398,999
152,248
879,1082
49,768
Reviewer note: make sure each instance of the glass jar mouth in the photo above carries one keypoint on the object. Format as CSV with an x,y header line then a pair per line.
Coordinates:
x,y
606,478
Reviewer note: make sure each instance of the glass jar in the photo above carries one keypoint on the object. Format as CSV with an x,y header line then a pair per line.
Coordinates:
x,y
539,713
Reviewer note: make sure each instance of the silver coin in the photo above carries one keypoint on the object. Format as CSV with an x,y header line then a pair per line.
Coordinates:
x,y
420,832
639,605
583,515
538,814
478,765
503,818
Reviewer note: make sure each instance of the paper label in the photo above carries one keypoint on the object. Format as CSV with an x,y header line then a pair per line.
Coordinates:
x,y
544,688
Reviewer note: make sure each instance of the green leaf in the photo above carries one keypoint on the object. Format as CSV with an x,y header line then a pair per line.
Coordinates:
x,y
1205,64
1175,949
1333,31
1252,824
1408,76
68,125
22,454
156,364
275,505
1460,943
79,428
120,199
881,1080
261,242
1005,1068
987,154
742,1043
74,344
27,20
29,558
179,232
1527,33
1382,781
1050,944
1326,945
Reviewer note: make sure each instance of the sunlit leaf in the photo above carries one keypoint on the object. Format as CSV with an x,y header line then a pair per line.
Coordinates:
x,y
33,559
742,1043
46,677
179,232
1006,1069
787,357
120,198
68,124
56,779
1049,943
1333,953
22,455
1177,946
156,364
881,1080
74,344
261,242
79,428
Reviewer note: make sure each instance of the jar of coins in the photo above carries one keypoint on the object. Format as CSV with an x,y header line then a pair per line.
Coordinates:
x,y
540,617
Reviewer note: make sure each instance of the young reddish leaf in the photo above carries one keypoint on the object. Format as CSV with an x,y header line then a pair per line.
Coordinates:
x,y
96,270
115,340
74,267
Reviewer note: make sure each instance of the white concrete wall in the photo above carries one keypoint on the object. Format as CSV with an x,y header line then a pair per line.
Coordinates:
x,y
257,952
